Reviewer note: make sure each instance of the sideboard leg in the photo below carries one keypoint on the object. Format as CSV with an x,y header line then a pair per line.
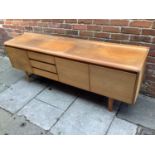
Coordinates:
x,y
110,104
27,75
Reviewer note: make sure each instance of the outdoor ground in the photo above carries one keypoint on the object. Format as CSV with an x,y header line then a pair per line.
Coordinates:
x,y
43,106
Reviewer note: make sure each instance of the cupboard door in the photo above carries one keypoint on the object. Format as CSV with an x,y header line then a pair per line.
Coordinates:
x,y
19,58
73,73
113,83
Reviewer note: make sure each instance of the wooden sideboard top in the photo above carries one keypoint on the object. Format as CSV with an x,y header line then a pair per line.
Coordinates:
x,y
125,57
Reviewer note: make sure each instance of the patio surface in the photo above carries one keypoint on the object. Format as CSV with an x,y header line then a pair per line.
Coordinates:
x,y
42,106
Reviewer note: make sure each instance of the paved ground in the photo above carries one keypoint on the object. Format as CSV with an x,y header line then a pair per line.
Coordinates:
x,y
43,106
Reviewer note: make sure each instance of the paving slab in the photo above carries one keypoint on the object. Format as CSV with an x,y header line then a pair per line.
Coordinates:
x,y
19,94
142,113
4,118
2,54
122,127
145,131
87,115
11,76
20,126
60,96
4,63
2,87
41,114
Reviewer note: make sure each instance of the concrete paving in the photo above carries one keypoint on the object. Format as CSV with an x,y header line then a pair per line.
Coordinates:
x,y
2,87
20,126
4,63
14,125
60,96
46,107
145,131
4,118
142,113
122,127
19,94
84,117
10,76
41,114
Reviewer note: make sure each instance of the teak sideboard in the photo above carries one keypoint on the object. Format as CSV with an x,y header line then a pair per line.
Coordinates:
x,y
109,69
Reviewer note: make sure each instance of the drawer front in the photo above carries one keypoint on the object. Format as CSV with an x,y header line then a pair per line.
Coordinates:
x,y
113,83
43,66
19,58
48,75
73,73
41,57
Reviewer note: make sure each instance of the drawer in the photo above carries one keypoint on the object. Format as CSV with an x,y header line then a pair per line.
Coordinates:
x,y
42,73
43,66
41,57
73,73
113,83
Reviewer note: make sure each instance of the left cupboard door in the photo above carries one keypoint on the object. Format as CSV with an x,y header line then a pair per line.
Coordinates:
x,y
19,58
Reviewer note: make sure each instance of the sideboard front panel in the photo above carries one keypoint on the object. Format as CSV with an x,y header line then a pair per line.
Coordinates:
x,y
113,83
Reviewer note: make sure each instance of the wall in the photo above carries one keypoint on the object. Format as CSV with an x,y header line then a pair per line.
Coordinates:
x,y
137,32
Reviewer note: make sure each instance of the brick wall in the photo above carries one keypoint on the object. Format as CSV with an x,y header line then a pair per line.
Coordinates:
x,y
136,32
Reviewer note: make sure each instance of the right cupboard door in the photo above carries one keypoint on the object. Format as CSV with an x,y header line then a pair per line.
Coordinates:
x,y
113,83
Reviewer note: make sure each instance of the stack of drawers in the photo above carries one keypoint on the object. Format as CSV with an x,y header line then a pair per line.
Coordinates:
x,y
43,65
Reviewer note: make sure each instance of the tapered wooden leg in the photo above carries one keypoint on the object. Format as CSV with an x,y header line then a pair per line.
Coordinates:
x,y
110,104
28,75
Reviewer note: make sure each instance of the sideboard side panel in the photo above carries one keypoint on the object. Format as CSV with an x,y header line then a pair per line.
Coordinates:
x,y
140,78
19,58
